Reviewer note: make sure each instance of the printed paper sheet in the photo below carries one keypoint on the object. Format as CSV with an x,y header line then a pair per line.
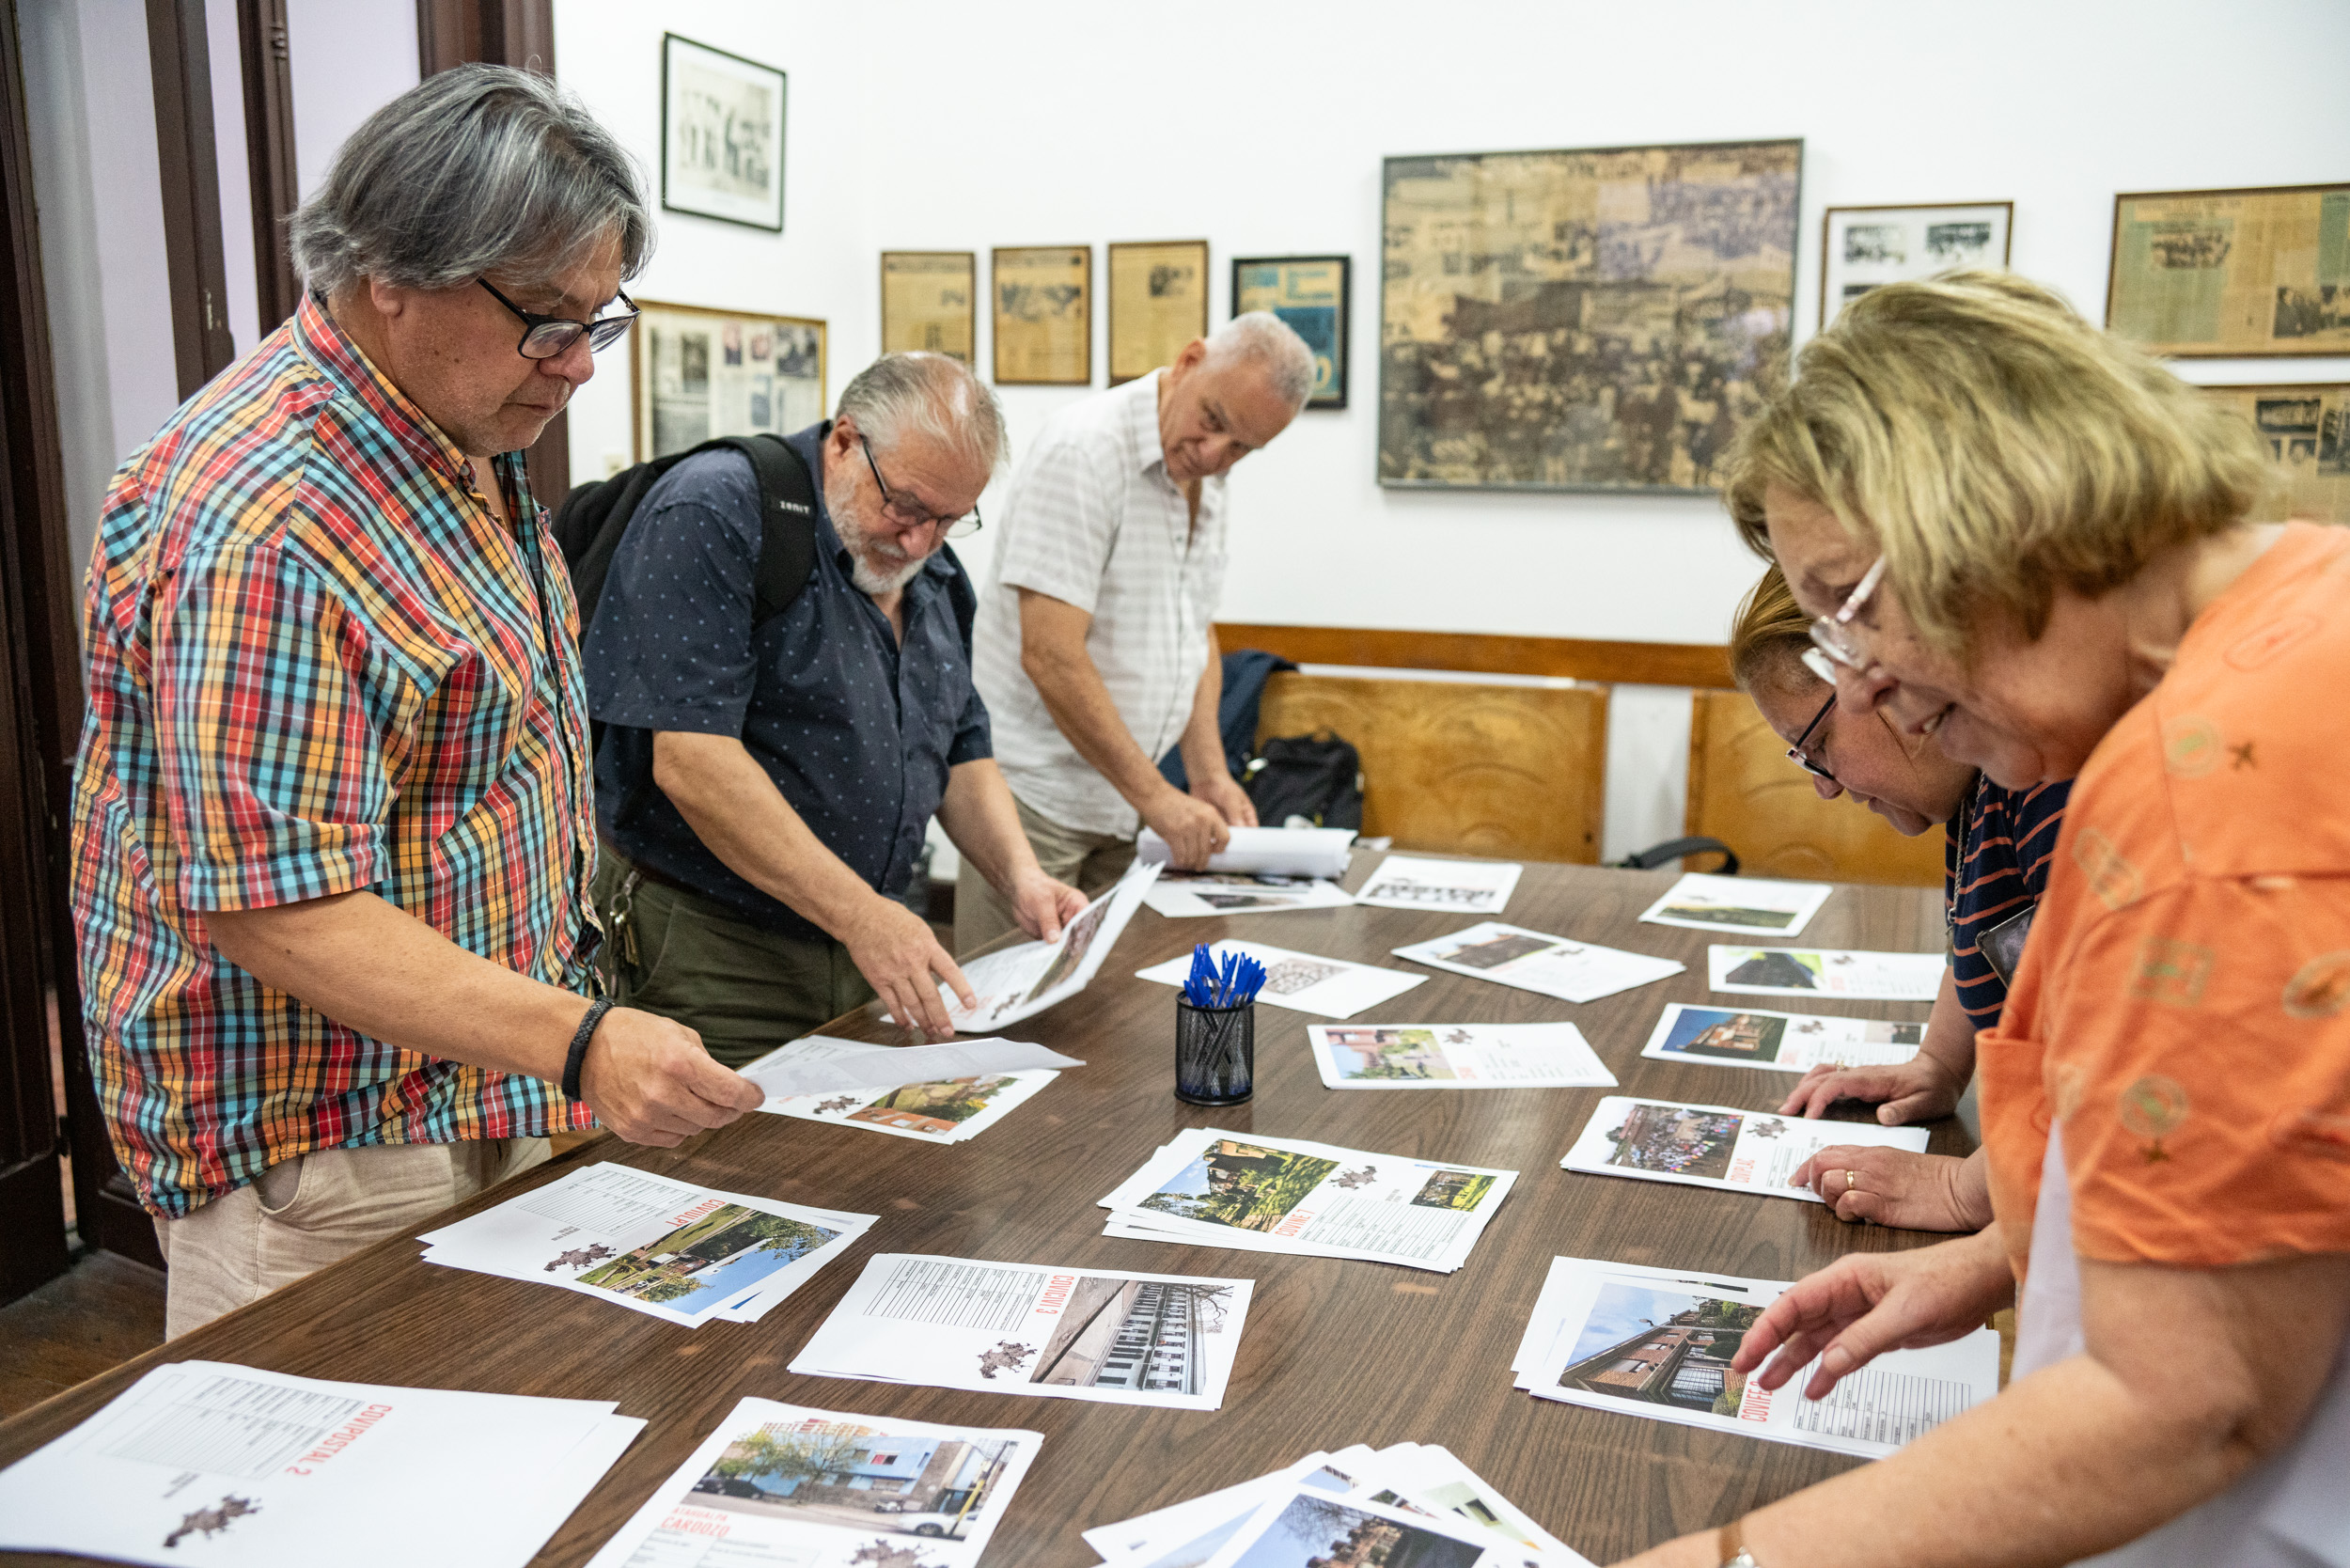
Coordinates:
x,y
1190,894
1860,976
821,1064
1718,1146
1748,903
1021,981
1302,982
1321,851
1449,886
950,1110
1778,1042
1538,962
1456,1055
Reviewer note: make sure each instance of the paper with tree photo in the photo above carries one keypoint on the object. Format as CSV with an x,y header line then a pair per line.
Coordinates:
x,y
950,1111
1538,962
1192,895
1758,905
1718,1146
1456,1055
1778,1042
1446,886
1858,976
1302,982
1021,981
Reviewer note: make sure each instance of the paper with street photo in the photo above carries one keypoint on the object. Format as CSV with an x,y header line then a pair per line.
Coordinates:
x,y
1658,1343
1022,1328
1538,962
1718,1146
1447,886
1187,1534
1304,1527
822,1064
1757,904
950,1111
1862,977
1304,983
1023,981
1456,1055
1429,1478
1192,895
789,1487
1778,1042
1316,851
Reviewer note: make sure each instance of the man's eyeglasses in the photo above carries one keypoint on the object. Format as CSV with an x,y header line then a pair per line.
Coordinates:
x,y
1837,635
914,517
546,337
1796,753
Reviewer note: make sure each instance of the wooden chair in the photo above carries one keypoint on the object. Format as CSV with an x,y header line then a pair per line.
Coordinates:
x,y
1745,792
1463,768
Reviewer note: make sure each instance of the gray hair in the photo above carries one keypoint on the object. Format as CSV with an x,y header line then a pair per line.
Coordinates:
x,y
1273,344
931,395
478,169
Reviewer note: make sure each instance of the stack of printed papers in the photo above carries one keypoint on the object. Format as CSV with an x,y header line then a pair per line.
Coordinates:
x,y
1411,1502
1739,903
1658,1343
1023,981
868,1087
1780,1041
787,1485
681,1253
1207,1188
1456,1055
1450,886
1532,961
1301,981
1825,972
1019,1328
1718,1146
1321,851
209,1462
1187,895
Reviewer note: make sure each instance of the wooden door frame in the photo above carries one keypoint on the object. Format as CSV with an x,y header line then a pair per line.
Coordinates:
x,y
267,73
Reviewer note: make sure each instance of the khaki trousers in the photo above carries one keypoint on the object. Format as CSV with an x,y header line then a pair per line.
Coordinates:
x,y
1088,862
305,1213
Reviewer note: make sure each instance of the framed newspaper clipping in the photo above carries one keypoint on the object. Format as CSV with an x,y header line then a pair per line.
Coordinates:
x,y
1043,315
721,135
2251,273
1158,303
1310,293
2307,431
1861,247
930,302
697,373
1600,318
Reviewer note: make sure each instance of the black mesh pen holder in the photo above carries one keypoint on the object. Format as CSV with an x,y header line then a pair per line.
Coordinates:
x,y
1215,1053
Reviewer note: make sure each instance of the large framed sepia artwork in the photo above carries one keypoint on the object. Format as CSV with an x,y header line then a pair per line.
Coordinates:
x,y
2257,271
1310,293
1861,247
721,135
2307,431
697,373
1043,315
1594,320
1158,303
930,302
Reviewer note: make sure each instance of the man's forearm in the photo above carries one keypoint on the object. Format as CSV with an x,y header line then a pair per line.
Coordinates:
x,y
983,823
1950,1038
731,805
1080,707
1202,744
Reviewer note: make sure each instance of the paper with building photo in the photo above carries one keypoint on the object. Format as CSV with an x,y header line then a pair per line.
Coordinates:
x,y
1456,1055
1317,851
1023,981
683,1253
1757,904
1718,1146
1302,982
787,1487
1658,1343
1206,1189
1449,887
1537,961
1040,1331
823,1064
1187,1534
1778,1042
1188,895
951,1110
207,1462
1303,1528
1859,976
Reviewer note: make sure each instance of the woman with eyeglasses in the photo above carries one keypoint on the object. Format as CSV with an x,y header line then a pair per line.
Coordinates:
x,y
2030,543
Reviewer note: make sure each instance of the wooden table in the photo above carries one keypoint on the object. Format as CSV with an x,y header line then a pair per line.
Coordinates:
x,y
1335,1351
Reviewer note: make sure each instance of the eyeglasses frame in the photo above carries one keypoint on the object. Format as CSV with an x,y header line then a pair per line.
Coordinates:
x,y
947,527
601,332
1835,635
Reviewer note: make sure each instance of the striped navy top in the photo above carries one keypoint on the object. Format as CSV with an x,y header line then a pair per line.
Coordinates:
x,y
1995,865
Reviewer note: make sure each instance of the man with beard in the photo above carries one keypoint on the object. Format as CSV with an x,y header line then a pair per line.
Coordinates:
x,y
764,786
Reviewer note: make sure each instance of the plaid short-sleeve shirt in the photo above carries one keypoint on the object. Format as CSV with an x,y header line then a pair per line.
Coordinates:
x,y
317,664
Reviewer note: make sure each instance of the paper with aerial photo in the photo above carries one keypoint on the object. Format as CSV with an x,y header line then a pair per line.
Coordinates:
x,y
687,1254
1780,1041
1718,1146
1705,903
1320,851
208,1462
1302,982
1207,1188
1023,981
1020,1328
788,1486
1658,1343
1858,977
1456,1055
1187,895
1449,887
948,1111
1537,961
821,1064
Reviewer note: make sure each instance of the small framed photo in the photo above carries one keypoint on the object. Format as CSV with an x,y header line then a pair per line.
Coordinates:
x,y
697,373
1865,246
1043,315
2258,272
2306,428
1158,303
1310,293
721,135
930,302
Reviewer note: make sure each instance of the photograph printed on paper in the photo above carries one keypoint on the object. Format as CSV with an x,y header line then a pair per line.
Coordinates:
x,y
820,1475
1662,1346
1241,1185
1317,1530
714,1256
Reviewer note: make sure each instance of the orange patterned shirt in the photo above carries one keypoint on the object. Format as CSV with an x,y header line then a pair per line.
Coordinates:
x,y
2184,1003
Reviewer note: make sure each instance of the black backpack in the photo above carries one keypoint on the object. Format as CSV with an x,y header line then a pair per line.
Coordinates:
x,y
1317,777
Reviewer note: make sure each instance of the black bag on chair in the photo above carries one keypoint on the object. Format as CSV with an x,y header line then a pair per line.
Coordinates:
x,y
1317,777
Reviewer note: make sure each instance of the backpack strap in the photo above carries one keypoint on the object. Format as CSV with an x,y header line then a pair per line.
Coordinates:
x,y
787,521
1673,849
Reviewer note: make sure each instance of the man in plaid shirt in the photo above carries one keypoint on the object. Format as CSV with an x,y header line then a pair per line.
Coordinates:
x,y
333,820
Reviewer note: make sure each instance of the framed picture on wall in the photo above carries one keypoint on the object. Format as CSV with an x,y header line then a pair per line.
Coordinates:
x,y
1861,247
697,373
1310,293
1599,318
930,302
721,135
2257,271
2307,431
1158,303
1043,315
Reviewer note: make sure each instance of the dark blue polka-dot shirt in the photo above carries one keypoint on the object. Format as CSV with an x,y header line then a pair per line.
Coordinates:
x,y
856,732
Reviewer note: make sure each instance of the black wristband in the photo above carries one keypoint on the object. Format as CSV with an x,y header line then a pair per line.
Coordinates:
x,y
578,1055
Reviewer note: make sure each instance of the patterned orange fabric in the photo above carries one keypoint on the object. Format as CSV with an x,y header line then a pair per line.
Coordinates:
x,y
2184,1003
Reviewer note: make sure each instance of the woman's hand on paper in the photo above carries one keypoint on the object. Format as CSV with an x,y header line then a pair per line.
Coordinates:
x,y
649,1080
1920,1089
1861,1306
1042,907
1894,1186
